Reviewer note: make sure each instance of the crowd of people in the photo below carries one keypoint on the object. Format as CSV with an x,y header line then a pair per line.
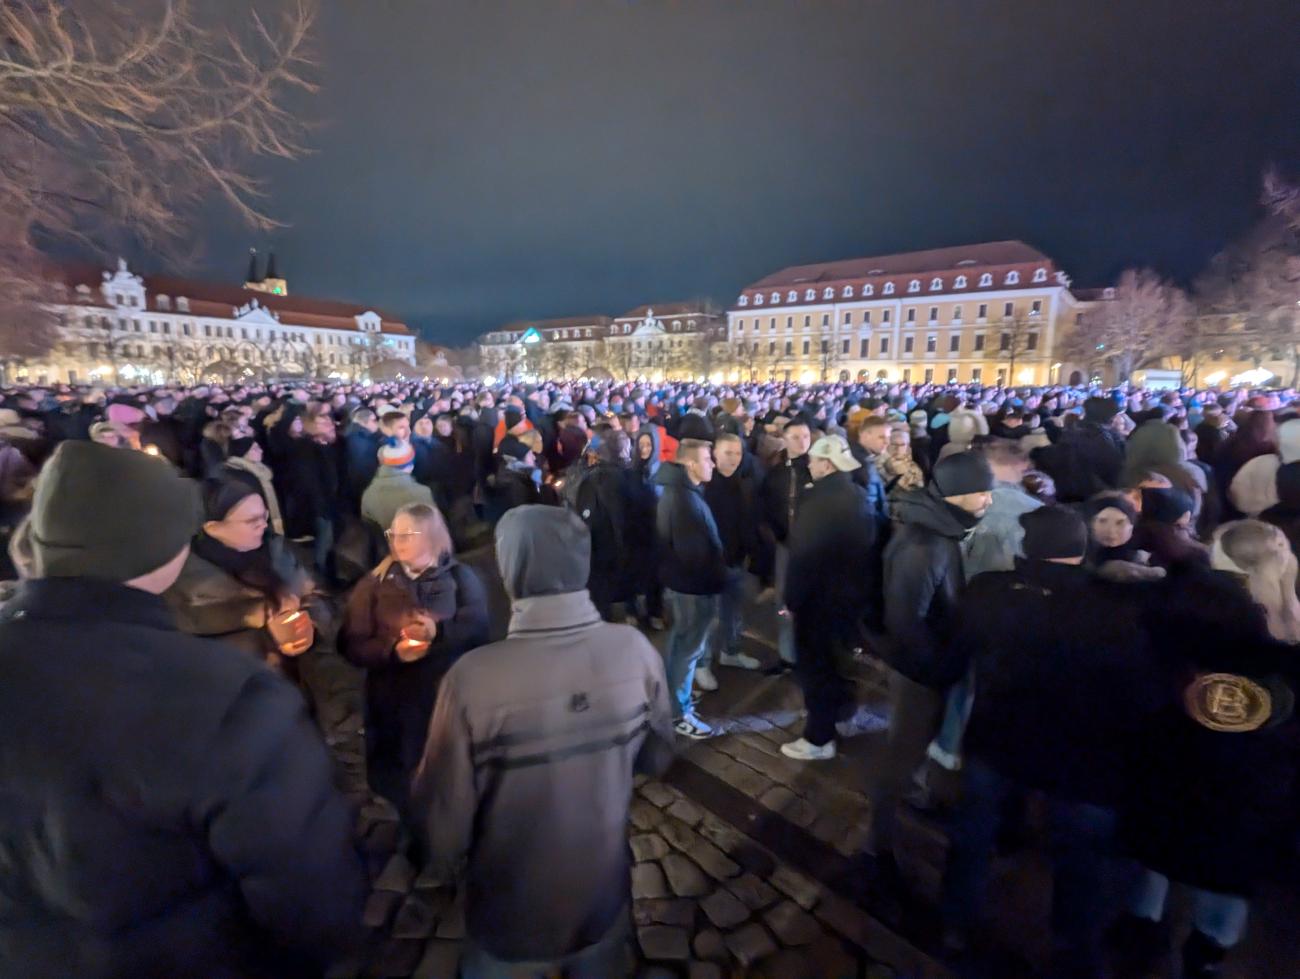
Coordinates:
x,y
1084,596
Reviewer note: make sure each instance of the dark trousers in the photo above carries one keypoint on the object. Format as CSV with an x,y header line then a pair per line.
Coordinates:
x,y
825,692
1081,837
915,712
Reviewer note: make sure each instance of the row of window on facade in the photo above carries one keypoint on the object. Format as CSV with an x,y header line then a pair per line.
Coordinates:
x,y
1006,341
1008,312
217,331
936,285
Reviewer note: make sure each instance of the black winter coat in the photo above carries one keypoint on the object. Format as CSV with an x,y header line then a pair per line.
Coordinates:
x,y
787,481
734,502
1214,809
690,550
192,802
360,462
606,500
831,573
923,582
1086,460
1066,686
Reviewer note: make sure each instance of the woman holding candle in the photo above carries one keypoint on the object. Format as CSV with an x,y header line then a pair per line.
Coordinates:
x,y
406,623
242,583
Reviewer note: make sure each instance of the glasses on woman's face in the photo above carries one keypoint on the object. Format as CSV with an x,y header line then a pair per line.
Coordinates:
x,y
402,537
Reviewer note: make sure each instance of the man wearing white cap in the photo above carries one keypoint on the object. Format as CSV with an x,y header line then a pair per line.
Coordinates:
x,y
827,588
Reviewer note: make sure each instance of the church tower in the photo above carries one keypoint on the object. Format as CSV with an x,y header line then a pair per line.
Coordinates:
x,y
270,282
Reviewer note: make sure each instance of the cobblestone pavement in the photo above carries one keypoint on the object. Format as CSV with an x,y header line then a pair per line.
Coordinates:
x,y
741,862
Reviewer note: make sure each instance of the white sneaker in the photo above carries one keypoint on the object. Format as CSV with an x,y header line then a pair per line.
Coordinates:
x,y
692,727
705,680
740,661
801,750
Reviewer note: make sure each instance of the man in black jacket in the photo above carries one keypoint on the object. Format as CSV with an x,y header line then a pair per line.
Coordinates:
x,y
786,483
827,589
923,582
1065,689
198,830
693,572
732,495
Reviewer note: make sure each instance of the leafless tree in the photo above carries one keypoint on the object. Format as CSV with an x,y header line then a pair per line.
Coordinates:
x,y
828,356
1282,197
1251,288
121,119
620,358
1149,318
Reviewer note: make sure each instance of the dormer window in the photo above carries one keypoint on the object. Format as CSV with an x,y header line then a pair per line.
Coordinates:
x,y
889,288
164,302
776,297
758,299
792,296
848,292
810,295
182,304
1040,275
1108,292
986,279
868,289
936,284
1013,278
744,301
677,325
828,293
914,285
959,282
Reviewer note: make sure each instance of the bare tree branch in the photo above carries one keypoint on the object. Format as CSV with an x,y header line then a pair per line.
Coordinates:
x,y
120,121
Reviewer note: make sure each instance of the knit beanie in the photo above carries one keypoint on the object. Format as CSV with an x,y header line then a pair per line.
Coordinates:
x,y
962,473
399,455
1166,506
1054,532
1100,411
240,446
513,416
220,496
111,514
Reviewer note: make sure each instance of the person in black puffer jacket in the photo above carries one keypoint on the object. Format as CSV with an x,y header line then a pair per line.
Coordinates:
x,y
1214,806
924,579
692,570
406,623
1051,644
605,500
198,829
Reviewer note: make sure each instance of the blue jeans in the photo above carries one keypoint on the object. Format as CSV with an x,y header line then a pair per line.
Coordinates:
x,y
1221,917
607,959
724,636
1080,848
692,615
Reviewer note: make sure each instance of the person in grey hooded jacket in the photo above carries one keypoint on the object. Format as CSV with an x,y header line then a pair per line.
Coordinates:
x,y
526,780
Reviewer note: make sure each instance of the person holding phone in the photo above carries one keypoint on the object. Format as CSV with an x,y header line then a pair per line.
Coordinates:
x,y
406,623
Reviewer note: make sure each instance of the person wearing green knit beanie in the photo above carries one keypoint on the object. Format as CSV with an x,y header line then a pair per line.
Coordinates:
x,y
110,514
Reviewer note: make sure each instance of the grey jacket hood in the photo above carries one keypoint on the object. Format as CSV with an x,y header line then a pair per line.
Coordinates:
x,y
543,550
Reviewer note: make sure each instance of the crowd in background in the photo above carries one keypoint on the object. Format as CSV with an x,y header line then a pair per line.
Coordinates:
x,y
1086,596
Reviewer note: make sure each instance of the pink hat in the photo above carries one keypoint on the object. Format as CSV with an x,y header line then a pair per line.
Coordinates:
x,y
125,414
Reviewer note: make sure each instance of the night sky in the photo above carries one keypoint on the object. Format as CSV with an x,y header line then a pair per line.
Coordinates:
x,y
482,161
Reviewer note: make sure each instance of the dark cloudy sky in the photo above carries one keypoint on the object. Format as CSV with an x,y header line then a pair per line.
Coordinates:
x,y
483,160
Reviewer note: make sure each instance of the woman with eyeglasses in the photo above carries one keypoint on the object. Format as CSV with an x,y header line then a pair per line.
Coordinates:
x,y
406,622
242,583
